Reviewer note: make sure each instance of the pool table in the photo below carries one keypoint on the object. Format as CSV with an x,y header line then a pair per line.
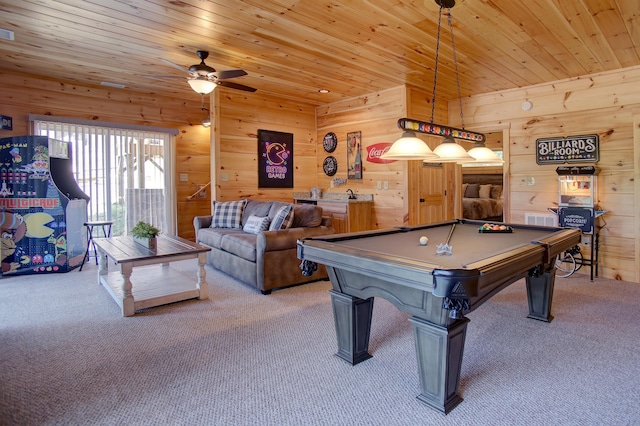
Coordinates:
x,y
437,290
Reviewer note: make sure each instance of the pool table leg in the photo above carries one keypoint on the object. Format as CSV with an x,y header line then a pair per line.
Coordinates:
x,y
352,318
540,294
439,351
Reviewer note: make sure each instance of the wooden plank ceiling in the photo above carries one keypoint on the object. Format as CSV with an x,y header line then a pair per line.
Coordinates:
x,y
296,47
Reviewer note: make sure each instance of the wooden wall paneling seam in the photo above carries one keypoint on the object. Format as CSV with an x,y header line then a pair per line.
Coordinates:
x,y
636,202
214,146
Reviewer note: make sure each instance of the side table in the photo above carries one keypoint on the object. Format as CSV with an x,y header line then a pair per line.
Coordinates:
x,y
105,226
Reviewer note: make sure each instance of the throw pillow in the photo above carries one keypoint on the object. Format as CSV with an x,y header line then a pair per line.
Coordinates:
x,y
307,216
496,191
484,191
282,219
472,191
228,215
256,224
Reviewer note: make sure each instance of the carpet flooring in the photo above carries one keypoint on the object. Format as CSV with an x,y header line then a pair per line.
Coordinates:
x,y
68,357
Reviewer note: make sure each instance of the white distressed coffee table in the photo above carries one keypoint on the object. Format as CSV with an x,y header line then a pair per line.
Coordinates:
x,y
154,282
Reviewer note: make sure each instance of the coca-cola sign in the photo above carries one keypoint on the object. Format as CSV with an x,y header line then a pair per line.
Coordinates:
x,y
376,150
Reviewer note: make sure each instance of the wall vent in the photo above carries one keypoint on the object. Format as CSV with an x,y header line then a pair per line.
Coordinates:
x,y
541,219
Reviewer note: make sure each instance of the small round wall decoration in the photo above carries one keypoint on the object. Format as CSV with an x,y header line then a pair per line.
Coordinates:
x,y
330,165
330,142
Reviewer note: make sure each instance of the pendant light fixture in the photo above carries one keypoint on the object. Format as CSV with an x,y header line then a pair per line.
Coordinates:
x,y
449,150
482,154
409,147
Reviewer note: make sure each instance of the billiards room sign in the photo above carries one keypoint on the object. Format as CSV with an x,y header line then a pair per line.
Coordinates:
x,y
570,149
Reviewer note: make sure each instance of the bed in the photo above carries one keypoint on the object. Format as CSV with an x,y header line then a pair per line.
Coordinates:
x,y
482,197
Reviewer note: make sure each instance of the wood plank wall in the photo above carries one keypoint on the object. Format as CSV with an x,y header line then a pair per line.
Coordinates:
x,y
606,104
22,95
234,143
376,116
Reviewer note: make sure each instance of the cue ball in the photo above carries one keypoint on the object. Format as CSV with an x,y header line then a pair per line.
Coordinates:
x,y
424,241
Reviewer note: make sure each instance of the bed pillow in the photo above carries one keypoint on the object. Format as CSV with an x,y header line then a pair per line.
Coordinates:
x,y
484,191
228,215
472,191
256,224
464,188
282,219
496,191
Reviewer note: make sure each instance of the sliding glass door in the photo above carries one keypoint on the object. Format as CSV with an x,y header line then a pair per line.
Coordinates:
x,y
127,172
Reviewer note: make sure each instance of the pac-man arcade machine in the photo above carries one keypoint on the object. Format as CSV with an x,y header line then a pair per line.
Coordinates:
x,y
42,208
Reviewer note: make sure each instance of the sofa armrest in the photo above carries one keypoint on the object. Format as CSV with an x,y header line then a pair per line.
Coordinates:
x,y
200,222
327,221
284,239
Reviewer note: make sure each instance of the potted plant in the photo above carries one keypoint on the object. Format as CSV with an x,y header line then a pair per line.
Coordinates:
x,y
145,234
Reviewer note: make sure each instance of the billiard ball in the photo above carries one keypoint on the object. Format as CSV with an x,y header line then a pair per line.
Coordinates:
x,y
424,241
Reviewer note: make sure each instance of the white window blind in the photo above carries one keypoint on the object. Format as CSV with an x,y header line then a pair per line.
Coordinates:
x,y
126,172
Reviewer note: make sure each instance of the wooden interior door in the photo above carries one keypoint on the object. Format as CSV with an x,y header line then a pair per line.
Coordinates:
x,y
434,206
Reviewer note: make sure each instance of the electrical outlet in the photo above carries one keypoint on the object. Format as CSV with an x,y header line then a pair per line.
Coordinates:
x,y
224,177
184,177
379,185
386,185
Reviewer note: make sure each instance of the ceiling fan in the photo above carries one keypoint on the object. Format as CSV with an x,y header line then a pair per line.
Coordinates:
x,y
204,78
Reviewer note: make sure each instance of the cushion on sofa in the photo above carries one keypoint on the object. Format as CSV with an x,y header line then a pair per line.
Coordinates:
x,y
212,237
283,218
241,244
255,224
306,216
257,208
228,214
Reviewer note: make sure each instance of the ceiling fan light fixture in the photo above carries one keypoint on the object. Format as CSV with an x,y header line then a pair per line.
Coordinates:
x,y
409,147
202,85
206,122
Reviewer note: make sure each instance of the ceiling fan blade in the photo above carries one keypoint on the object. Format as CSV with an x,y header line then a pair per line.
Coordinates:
x,y
237,86
162,76
180,67
223,75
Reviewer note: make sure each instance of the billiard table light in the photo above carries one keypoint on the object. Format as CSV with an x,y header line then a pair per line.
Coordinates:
x,y
482,154
409,147
449,151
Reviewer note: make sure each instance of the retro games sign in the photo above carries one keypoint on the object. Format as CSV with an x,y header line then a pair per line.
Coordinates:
x,y
570,149
275,159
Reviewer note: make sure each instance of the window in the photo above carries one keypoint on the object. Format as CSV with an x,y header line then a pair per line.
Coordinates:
x,y
126,171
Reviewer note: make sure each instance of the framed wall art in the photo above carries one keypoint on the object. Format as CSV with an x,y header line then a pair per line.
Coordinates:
x,y
275,159
354,155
